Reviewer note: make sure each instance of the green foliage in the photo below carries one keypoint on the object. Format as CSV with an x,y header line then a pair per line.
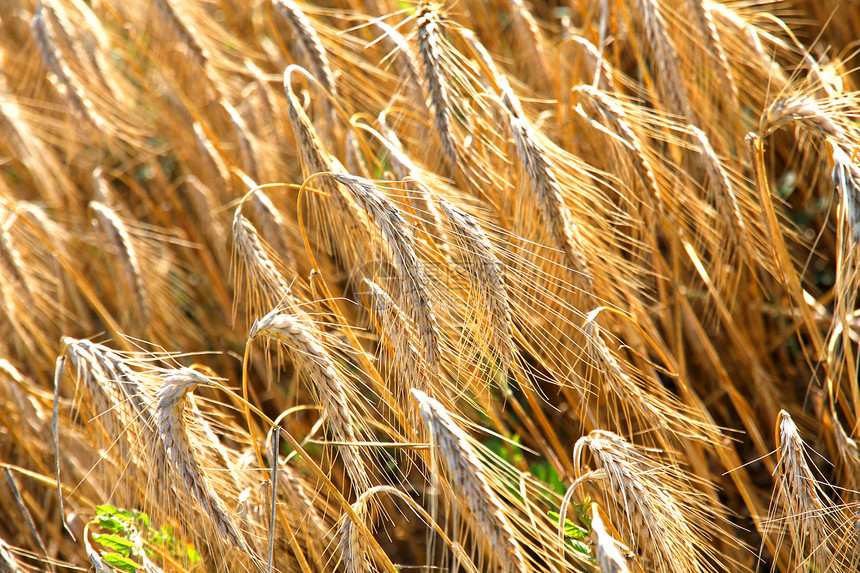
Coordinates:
x,y
576,536
128,534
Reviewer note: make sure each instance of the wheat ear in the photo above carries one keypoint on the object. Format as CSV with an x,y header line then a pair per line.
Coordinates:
x,y
409,68
714,47
805,504
309,43
212,157
316,159
668,63
543,182
650,403
598,68
396,330
846,179
187,34
246,140
176,449
266,286
421,198
430,49
530,40
414,281
11,260
118,235
657,522
617,121
332,389
486,273
81,103
473,491
725,197
353,543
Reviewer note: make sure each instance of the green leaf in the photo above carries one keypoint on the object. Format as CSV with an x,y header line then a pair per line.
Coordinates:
x,y
105,510
193,555
580,547
121,562
570,528
115,542
111,524
143,519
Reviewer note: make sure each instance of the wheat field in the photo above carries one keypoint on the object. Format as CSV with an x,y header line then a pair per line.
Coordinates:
x,y
385,286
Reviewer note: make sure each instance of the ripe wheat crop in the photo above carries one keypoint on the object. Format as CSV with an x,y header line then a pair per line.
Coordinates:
x,y
377,286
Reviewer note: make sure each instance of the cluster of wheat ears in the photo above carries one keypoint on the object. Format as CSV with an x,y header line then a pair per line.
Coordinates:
x,y
371,285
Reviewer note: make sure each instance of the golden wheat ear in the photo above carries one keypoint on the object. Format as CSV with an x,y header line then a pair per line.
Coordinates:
x,y
664,515
484,509
331,388
803,512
